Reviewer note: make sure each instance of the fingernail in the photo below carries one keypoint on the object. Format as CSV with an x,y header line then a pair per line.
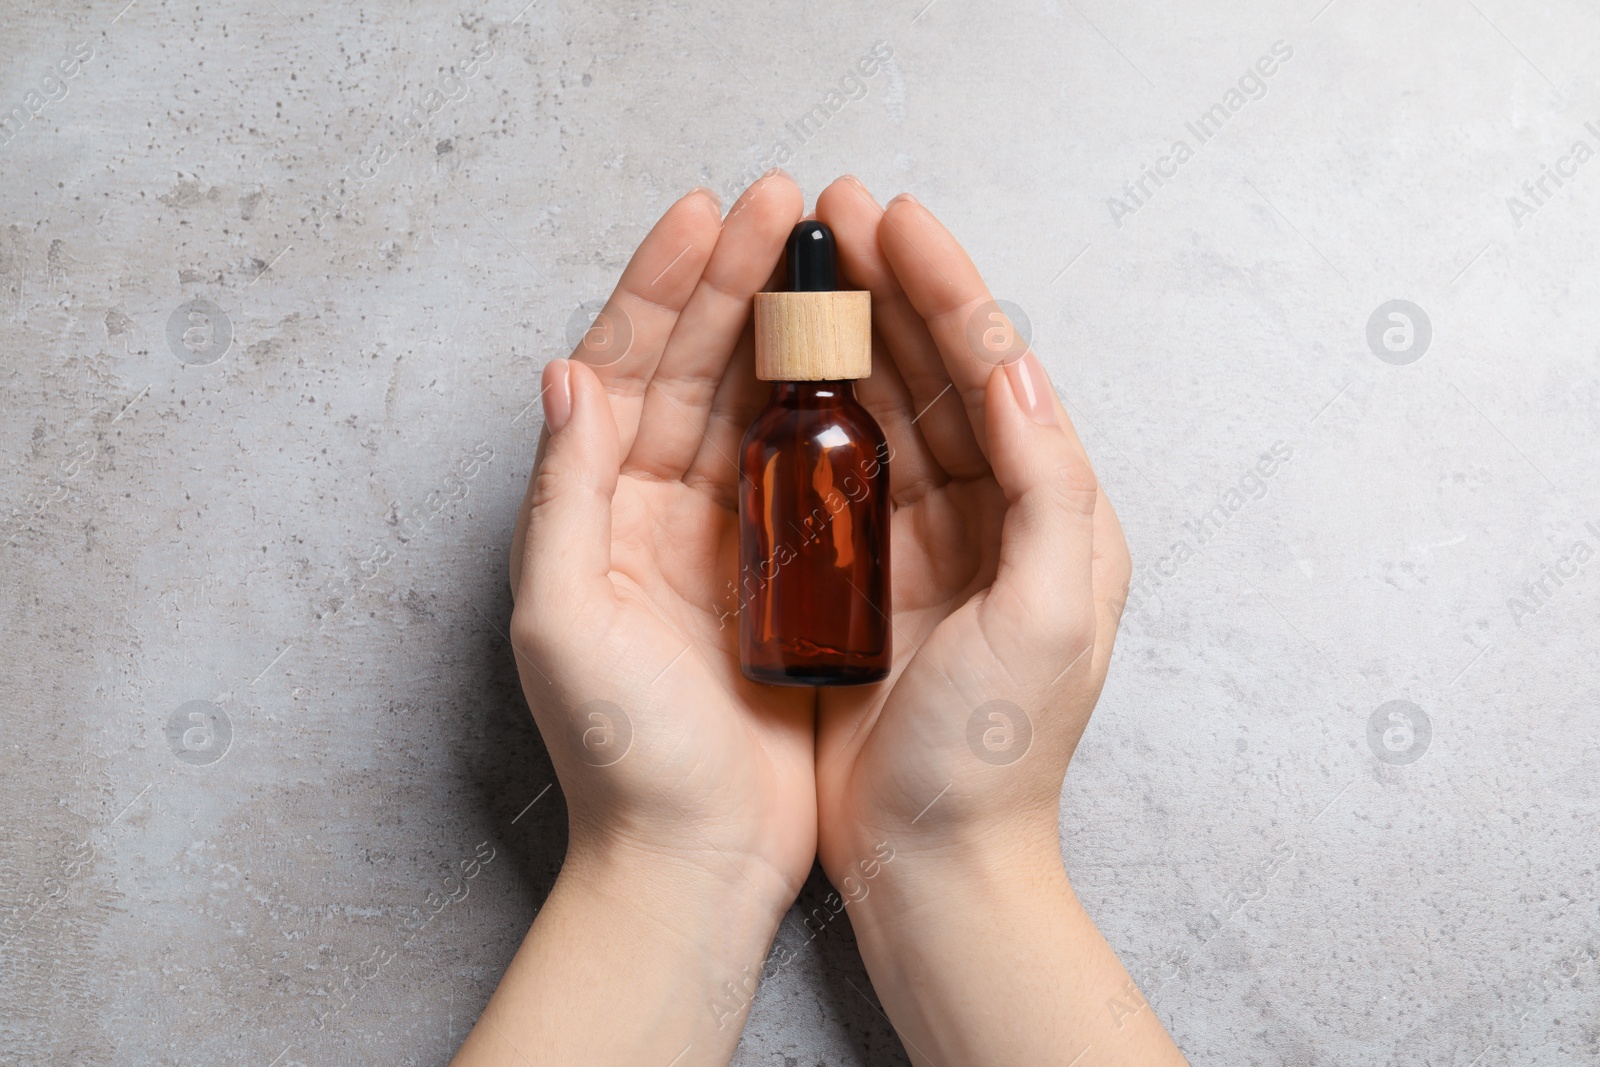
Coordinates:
x,y
709,193
906,197
862,187
1031,386
774,172
557,392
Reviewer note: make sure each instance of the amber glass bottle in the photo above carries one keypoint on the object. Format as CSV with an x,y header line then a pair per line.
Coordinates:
x,y
813,585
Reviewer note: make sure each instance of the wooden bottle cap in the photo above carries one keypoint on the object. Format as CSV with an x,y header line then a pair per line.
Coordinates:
x,y
813,337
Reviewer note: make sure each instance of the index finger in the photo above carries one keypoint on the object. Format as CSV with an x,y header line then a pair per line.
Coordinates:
x,y
971,332
626,341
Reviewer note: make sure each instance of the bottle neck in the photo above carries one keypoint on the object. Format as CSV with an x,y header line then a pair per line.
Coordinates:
x,y
814,394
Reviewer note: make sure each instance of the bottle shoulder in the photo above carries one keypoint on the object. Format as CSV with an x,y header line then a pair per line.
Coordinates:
x,y
811,430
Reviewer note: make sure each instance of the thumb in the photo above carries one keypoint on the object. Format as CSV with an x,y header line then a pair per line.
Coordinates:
x,y
566,552
1043,586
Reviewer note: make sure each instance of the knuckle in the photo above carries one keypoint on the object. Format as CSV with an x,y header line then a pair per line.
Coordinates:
x,y
1077,631
549,482
1076,485
1070,633
529,633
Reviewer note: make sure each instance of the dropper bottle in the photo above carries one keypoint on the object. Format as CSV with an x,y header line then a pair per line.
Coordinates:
x,y
813,584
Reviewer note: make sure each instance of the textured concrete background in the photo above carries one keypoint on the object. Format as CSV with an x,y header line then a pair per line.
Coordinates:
x,y
257,702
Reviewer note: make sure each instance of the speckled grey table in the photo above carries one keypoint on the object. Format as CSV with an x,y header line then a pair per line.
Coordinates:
x,y
1319,287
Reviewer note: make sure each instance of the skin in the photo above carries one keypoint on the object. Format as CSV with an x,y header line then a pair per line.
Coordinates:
x,y
698,800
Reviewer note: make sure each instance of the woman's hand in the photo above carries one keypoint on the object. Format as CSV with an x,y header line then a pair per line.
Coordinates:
x,y
621,561
938,791
1010,569
692,809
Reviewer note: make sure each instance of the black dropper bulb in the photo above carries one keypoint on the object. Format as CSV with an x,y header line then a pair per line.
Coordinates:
x,y
810,255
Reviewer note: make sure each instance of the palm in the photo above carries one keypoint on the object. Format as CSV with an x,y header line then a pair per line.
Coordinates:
x,y
733,758
874,767
989,602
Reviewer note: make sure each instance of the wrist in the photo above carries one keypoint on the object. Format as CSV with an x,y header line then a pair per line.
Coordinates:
x,y
717,915
714,918
924,865
635,957
915,889
956,943
984,956
680,889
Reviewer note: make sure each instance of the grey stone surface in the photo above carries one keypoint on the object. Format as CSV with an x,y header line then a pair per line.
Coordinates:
x,y
345,425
